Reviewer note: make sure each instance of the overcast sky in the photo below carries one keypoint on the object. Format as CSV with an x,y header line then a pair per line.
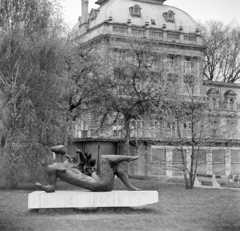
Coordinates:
x,y
200,10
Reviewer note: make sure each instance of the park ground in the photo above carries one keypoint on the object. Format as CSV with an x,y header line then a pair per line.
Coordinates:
x,y
178,209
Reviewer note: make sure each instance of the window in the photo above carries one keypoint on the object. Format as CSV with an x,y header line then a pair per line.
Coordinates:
x,y
214,103
120,91
84,134
118,123
190,38
231,122
187,66
214,99
138,85
138,32
156,121
121,122
84,125
173,36
117,56
120,29
153,22
171,126
189,79
172,78
171,62
75,127
214,125
230,100
117,133
156,34
169,16
74,118
136,124
187,125
135,11
231,104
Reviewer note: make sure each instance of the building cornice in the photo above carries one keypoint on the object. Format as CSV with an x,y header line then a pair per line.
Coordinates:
x,y
204,143
221,84
147,33
157,43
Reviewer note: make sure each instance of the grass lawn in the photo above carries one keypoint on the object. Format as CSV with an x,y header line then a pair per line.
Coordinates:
x,y
177,209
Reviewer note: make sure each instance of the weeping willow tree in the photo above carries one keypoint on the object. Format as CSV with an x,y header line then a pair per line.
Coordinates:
x,y
31,79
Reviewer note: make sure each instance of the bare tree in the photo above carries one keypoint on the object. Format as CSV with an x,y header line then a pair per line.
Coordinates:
x,y
196,121
132,87
222,55
188,112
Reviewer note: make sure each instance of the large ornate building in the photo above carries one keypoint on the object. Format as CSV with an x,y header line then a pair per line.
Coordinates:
x,y
174,35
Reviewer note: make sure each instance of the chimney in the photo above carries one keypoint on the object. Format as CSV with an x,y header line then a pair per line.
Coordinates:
x,y
84,11
160,1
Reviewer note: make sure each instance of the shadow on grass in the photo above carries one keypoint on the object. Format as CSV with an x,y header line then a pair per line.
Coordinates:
x,y
105,210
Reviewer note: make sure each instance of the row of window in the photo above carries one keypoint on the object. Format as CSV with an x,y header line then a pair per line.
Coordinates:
x,y
135,11
214,126
139,32
170,63
218,101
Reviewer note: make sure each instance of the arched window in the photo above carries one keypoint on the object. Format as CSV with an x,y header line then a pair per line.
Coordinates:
x,y
169,16
230,100
214,98
135,11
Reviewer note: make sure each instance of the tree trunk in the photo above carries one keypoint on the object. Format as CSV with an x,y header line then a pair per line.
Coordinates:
x,y
127,136
12,176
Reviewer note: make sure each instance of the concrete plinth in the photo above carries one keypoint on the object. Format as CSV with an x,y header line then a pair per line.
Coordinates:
x,y
87,199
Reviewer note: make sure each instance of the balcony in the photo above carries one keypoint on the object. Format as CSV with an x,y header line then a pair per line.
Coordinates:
x,y
77,134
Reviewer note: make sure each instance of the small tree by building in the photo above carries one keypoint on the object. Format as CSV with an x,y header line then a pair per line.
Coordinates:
x,y
196,122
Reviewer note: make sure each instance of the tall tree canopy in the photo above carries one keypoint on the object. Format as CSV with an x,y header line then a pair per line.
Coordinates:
x,y
32,76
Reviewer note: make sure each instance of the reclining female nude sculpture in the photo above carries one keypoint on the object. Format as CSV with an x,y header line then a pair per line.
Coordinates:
x,y
103,180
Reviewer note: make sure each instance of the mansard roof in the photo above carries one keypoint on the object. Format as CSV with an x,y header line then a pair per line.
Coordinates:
x,y
154,12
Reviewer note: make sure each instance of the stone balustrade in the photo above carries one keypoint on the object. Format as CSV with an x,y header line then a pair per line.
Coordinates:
x,y
156,34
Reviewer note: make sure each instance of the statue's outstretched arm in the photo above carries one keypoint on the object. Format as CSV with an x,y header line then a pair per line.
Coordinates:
x,y
52,178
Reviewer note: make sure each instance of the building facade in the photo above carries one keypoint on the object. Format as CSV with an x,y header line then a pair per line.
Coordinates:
x,y
115,27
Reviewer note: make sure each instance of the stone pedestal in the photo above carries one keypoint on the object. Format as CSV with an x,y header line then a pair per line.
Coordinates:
x,y
197,183
215,184
88,199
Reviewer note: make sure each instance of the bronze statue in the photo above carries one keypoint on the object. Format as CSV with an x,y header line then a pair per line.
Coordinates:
x,y
85,162
97,181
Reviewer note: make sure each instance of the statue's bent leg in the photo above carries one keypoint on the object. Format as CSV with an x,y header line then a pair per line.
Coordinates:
x,y
121,173
117,159
52,179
